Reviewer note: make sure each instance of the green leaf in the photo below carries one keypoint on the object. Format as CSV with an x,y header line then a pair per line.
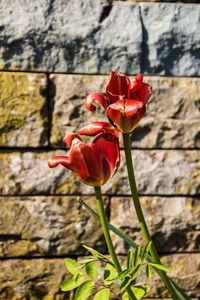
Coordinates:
x,y
128,277
146,250
136,255
148,271
95,253
103,294
87,260
125,296
85,290
140,290
72,282
92,269
130,259
71,265
159,266
110,274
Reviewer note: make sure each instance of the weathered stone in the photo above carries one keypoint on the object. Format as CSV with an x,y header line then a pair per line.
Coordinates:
x,y
172,221
171,120
47,226
171,39
70,36
68,109
157,172
23,113
41,278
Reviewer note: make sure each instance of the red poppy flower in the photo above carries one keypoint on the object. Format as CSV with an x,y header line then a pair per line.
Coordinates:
x,y
94,163
124,100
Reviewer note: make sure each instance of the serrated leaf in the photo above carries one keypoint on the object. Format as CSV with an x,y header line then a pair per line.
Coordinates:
x,y
136,255
92,269
140,291
159,266
72,265
130,259
72,282
103,294
85,290
148,271
146,250
95,253
110,274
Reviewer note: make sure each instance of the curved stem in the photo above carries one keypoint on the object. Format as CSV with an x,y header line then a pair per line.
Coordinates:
x,y
107,236
140,215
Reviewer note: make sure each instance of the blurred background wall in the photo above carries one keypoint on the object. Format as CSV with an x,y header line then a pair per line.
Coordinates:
x,y
52,54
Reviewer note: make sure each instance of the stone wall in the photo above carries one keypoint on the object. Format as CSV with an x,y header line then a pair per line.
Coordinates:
x,y
53,53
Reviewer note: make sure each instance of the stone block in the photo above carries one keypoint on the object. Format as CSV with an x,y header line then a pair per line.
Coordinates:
x,y
70,36
171,39
41,278
38,226
23,113
172,221
161,172
171,120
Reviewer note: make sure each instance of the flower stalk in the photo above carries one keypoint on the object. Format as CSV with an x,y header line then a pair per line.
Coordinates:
x,y
140,215
107,236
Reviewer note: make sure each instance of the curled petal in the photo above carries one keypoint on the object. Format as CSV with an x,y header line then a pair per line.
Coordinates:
x,y
69,137
95,97
140,90
117,87
95,128
59,160
126,114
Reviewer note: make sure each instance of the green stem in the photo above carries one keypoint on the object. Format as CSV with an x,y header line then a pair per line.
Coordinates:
x,y
107,236
140,216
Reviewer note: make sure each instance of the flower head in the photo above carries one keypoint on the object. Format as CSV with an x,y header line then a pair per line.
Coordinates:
x,y
94,163
124,101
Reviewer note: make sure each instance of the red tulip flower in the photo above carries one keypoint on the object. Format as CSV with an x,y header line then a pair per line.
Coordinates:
x,y
94,163
124,101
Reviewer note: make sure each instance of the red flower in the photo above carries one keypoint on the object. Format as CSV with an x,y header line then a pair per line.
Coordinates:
x,y
95,163
124,101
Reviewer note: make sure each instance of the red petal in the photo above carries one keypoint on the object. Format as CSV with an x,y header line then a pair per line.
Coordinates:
x,y
117,87
69,137
140,90
95,128
95,97
59,160
126,114
106,149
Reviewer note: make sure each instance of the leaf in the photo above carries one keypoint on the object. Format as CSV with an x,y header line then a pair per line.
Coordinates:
x,y
87,260
148,271
71,265
110,274
159,267
125,296
136,255
103,294
129,277
92,269
95,253
85,290
130,259
146,250
72,282
140,291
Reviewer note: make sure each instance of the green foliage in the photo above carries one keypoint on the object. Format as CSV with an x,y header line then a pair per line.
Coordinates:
x,y
103,294
72,282
85,290
84,274
159,267
92,269
110,274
